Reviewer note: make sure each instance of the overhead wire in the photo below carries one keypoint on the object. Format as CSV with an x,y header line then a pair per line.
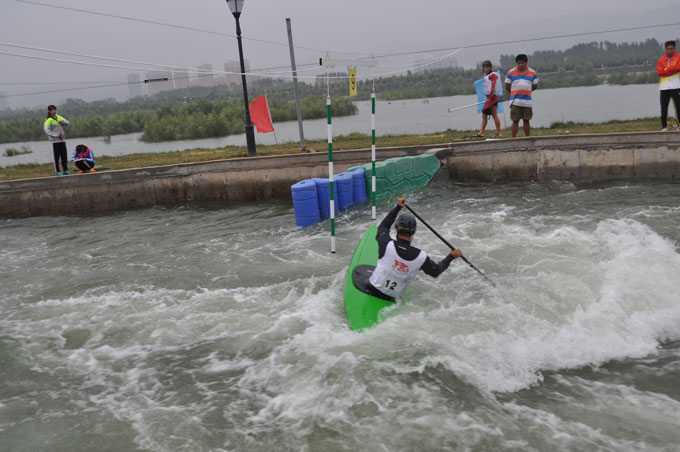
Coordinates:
x,y
544,38
181,27
157,66
369,55
182,68
120,60
320,50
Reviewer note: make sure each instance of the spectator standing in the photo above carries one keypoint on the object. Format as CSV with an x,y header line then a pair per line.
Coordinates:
x,y
84,159
668,69
54,128
491,82
521,81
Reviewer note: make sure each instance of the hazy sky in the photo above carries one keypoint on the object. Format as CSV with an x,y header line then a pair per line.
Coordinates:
x,y
361,27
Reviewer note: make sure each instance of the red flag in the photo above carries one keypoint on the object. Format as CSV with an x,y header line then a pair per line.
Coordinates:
x,y
260,115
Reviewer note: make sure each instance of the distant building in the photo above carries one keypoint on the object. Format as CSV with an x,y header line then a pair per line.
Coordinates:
x,y
134,85
159,86
206,78
430,63
4,104
180,78
235,68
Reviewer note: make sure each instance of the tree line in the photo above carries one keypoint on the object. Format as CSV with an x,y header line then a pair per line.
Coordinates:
x,y
588,56
202,118
215,118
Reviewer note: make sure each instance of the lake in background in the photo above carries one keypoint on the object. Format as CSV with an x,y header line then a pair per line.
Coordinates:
x,y
415,116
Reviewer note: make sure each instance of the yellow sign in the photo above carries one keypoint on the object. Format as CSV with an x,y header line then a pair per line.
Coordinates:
x,y
353,82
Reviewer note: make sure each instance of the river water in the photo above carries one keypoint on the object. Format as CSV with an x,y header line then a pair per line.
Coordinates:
x,y
221,327
584,104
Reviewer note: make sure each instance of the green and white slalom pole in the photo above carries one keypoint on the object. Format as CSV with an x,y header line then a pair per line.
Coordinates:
x,y
330,171
373,152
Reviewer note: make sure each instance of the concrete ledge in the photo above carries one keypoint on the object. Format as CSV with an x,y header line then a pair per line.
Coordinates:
x,y
571,157
244,179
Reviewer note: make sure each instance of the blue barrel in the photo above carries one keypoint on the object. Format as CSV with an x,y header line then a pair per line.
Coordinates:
x,y
358,186
305,202
323,195
344,183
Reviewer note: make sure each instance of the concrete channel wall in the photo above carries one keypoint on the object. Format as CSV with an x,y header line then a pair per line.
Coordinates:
x,y
571,157
244,179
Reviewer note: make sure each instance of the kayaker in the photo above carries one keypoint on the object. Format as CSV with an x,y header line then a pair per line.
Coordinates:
x,y
398,261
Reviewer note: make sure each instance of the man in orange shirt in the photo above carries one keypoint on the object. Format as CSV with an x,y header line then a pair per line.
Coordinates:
x,y
668,69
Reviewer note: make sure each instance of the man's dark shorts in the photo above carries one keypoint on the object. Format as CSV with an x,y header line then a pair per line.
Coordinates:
x,y
517,113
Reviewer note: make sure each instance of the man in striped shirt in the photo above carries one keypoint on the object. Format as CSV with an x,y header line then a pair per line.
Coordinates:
x,y
520,82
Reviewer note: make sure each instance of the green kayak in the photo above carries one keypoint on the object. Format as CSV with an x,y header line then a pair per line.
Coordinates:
x,y
361,307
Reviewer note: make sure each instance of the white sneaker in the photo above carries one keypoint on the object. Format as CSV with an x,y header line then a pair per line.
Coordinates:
x,y
665,129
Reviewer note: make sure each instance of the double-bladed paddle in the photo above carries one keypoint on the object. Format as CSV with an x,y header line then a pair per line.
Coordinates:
x,y
447,243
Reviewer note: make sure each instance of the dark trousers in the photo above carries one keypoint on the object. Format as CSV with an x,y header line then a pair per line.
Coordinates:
x,y
59,151
666,96
84,165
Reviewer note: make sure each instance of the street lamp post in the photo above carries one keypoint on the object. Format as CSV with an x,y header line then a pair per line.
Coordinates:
x,y
236,6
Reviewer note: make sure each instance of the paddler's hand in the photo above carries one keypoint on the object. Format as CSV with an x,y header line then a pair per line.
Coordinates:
x,y
456,253
401,202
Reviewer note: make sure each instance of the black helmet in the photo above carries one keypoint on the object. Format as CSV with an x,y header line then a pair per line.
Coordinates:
x,y
406,224
487,63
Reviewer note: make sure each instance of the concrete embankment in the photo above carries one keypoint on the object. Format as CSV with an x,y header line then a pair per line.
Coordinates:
x,y
244,179
573,157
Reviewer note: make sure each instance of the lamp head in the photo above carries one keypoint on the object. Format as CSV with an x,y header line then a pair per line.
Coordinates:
x,y
236,6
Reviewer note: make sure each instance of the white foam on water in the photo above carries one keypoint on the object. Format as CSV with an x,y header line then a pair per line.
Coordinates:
x,y
596,415
253,351
582,297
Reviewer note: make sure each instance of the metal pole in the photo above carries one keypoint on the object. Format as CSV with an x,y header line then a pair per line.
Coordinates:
x,y
330,171
250,134
295,85
373,153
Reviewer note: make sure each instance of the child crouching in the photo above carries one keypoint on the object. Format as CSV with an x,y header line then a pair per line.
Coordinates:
x,y
84,159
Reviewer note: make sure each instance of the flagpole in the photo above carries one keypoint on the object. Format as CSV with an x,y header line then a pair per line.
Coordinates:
x,y
270,115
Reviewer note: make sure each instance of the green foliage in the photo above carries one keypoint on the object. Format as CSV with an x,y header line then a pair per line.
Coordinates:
x,y
215,118
591,55
202,118
633,79
11,152
86,126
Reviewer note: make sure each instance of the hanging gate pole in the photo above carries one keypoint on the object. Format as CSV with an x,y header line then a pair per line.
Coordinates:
x,y
373,153
330,171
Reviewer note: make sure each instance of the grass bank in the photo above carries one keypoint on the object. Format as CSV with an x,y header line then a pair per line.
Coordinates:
x,y
351,141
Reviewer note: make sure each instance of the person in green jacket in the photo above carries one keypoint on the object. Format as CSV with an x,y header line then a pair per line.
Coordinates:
x,y
54,128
